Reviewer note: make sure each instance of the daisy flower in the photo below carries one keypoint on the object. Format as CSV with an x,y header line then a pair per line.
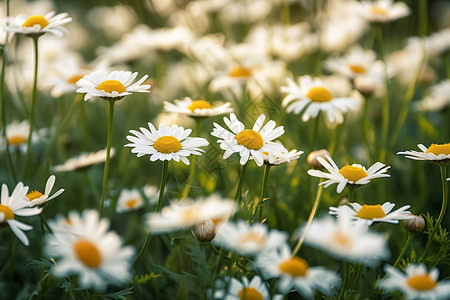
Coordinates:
x,y
277,158
244,289
37,25
295,273
381,11
17,135
16,205
416,282
114,85
371,213
197,108
186,213
249,239
129,200
36,198
83,161
350,242
312,96
438,98
354,175
248,142
439,153
166,143
83,246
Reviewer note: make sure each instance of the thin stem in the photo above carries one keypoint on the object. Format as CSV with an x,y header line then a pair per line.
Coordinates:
x,y
443,208
365,129
423,17
351,194
44,223
335,139
263,191
313,137
405,247
187,187
285,13
346,279
108,149
238,195
144,247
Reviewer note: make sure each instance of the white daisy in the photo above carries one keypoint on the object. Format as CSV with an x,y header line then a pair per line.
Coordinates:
x,y
16,205
436,152
312,96
197,108
114,85
354,175
186,213
83,246
277,158
416,282
166,143
17,135
349,242
37,25
238,290
129,200
295,273
381,11
249,239
437,99
36,198
83,161
248,142
371,213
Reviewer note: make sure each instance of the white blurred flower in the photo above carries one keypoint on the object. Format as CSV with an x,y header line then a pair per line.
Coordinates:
x,y
83,161
197,108
381,11
129,200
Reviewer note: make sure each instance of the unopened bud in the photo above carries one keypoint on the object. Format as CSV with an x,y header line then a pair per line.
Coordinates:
x,y
205,231
312,158
414,224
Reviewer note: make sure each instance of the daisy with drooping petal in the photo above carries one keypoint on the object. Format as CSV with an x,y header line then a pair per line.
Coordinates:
x,y
371,213
197,108
83,246
248,142
114,85
38,25
129,200
249,239
312,96
295,273
16,205
277,158
381,11
255,289
416,282
83,161
166,143
36,198
354,175
439,153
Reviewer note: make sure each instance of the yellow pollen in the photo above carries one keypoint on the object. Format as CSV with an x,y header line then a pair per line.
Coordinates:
x,y
199,104
439,149
239,71
343,239
250,139
34,195
252,237
376,10
35,20
7,212
131,203
295,266
167,144
250,293
421,282
352,173
358,69
16,140
87,253
319,94
74,79
110,86
371,212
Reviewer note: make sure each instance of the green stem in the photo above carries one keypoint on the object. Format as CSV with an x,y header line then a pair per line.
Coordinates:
x,y
443,208
108,149
187,187
285,13
365,129
351,194
44,223
263,190
346,280
423,17
238,195
335,139
405,247
313,137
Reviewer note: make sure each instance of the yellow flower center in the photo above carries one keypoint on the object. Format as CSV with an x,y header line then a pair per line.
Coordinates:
x,y
110,86
376,10
252,237
295,266
131,203
421,282
16,140
439,149
343,239
75,78
199,104
358,69
34,195
250,293
87,253
352,173
167,144
7,212
35,20
371,212
319,94
239,71
250,139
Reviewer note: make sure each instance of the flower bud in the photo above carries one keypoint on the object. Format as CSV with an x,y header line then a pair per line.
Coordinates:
x,y
312,158
414,224
205,231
